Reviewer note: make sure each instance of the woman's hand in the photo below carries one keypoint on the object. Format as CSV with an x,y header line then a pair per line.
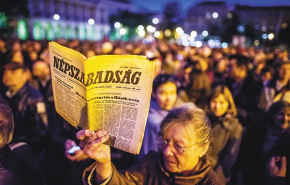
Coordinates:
x,y
92,144
278,170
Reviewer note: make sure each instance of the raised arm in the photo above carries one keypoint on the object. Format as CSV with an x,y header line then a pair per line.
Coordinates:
x,y
92,144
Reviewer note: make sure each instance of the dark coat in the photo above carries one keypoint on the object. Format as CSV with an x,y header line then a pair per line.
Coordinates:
x,y
20,166
225,144
151,171
29,117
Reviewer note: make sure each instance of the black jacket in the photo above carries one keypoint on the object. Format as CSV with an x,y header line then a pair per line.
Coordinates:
x,y
20,166
29,117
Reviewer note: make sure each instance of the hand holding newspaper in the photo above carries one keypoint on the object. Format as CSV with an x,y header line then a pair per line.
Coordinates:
x,y
103,92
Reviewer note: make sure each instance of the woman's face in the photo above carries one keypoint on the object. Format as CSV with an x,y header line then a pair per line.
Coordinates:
x,y
177,136
166,95
219,105
282,119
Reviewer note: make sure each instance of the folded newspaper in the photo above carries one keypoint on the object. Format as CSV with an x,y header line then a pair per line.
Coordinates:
x,y
110,92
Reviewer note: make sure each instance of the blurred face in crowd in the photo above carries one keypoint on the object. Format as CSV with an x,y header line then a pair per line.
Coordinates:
x,y
18,57
219,105
221,65
236,72
166,95
267,76
33,55
282,118
218,56
41,70
16,47
284,72
180,152
14,79
2,45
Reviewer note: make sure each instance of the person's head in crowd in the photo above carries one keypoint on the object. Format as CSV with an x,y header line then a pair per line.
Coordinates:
x,y
278,116
118,51
6,123
217,55
283,70
41,70
16,46
266,74
233,51
107,48
45,56
238,67
37,46
205,51
90,53
2,46
184,139
221,102
18,57
33,56
200,63
14,76
221,65
165,91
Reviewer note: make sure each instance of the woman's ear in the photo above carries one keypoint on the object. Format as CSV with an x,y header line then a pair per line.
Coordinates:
x,y
204,149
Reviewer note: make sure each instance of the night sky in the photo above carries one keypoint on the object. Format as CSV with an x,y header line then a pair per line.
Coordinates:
x,y
157,5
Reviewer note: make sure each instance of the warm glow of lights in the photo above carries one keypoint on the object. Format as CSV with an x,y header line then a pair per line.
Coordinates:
x,y
230,15
91,21
56,17
123,31
179,30
284,25
193,33
271,36
157,34
167,33
191,38
256,42
215,15
140,27
141,33
117,25
155,20
205,33
198,44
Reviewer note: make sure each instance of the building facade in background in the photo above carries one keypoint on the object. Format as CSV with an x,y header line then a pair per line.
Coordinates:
x,y
69,19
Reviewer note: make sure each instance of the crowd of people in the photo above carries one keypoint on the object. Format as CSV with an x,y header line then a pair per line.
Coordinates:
x,y
216,116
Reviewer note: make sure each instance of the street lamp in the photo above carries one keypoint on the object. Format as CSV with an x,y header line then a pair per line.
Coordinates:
x,y
123,31
155,20
117,25
56,17
91,21
271,36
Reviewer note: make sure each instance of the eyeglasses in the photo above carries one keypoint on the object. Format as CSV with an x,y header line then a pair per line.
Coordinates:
x,y
176,148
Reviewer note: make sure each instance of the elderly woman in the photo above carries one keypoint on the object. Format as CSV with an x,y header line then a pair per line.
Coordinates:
x,y
226,131
184,140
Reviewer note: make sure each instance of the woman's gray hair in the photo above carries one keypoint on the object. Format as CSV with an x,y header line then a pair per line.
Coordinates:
x,y
191,117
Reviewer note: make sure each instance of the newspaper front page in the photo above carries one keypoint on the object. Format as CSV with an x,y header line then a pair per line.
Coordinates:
x,y
103,92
